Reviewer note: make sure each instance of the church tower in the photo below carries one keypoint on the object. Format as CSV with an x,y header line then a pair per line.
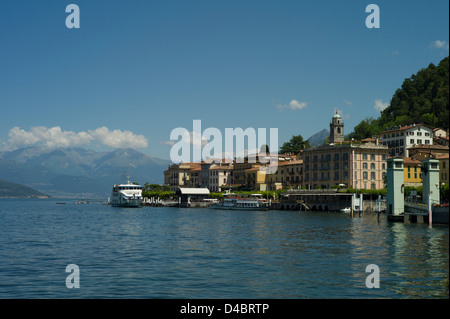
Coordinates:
x,y
336,129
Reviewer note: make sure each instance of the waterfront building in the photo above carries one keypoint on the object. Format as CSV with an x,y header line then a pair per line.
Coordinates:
x,y
243,170
289,175
345,164
357,165
219,177
420,152
400,139
206,175
182,175
443,168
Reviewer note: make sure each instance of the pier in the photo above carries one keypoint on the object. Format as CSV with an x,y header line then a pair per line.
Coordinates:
x,y
428,211
328,200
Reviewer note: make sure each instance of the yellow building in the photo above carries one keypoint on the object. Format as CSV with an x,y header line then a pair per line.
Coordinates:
x,y
443,169
412,174
182,175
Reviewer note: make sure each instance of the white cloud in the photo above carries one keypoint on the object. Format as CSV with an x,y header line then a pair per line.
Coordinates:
x,y
379,105
118,138
49,137
293,105
55,137
438,44
349,103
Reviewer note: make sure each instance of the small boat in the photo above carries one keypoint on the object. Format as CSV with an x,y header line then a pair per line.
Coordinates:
x,y
126,195
234,202
346,210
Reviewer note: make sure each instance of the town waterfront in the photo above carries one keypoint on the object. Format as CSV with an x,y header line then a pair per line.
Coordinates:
x,y
155,252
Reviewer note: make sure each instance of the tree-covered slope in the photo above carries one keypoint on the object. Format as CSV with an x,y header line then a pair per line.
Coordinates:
x,y
422,98
8,189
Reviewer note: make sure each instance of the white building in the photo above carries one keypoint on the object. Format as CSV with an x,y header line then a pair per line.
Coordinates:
x,y
399,139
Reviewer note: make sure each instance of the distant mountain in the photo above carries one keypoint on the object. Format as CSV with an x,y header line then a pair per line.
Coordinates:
x,y
319,137
76,172
13,190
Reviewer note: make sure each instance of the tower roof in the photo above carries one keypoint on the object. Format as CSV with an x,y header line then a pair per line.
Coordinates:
x,y
336,115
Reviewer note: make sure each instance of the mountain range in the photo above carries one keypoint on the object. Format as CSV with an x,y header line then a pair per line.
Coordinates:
x,y
78,172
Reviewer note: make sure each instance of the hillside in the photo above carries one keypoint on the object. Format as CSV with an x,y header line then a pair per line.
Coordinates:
x,y
422,98
13,190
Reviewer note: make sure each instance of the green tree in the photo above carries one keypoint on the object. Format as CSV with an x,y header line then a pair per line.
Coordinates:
x,y
295,145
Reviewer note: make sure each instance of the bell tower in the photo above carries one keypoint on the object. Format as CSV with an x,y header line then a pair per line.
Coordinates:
x,y
336,129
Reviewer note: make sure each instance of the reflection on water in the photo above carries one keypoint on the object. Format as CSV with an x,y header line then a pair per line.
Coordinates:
x,y
202,253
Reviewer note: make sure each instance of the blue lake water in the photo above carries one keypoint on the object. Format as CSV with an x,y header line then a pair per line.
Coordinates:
x,y
168,253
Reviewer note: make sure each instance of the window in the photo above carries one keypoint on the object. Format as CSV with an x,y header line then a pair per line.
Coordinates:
x,y
336,175
427,141
409,174
372,157
372,165
365,157
372,176
365,175
419,141
364,165
383,166
372,186
411,141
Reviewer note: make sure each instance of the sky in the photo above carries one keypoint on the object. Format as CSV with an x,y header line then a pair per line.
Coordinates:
x,y
136,70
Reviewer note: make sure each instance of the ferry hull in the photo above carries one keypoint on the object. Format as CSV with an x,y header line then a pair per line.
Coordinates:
x,y
239,208
131,203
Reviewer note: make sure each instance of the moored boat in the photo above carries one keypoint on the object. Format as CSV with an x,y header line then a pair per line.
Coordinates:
x,y
126,195
239,202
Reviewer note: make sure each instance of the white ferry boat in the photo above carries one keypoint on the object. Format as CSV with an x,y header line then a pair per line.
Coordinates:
x,y
234,202
126,195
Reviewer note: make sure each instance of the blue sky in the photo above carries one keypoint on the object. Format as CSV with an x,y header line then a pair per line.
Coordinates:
x,y
136,70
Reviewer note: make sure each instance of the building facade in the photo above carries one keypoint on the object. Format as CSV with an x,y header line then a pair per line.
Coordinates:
x,y
412,174
360,166
182,175
420,152
443,168
400,139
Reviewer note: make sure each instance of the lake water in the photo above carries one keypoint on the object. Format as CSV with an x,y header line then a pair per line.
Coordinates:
x,y
204,253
